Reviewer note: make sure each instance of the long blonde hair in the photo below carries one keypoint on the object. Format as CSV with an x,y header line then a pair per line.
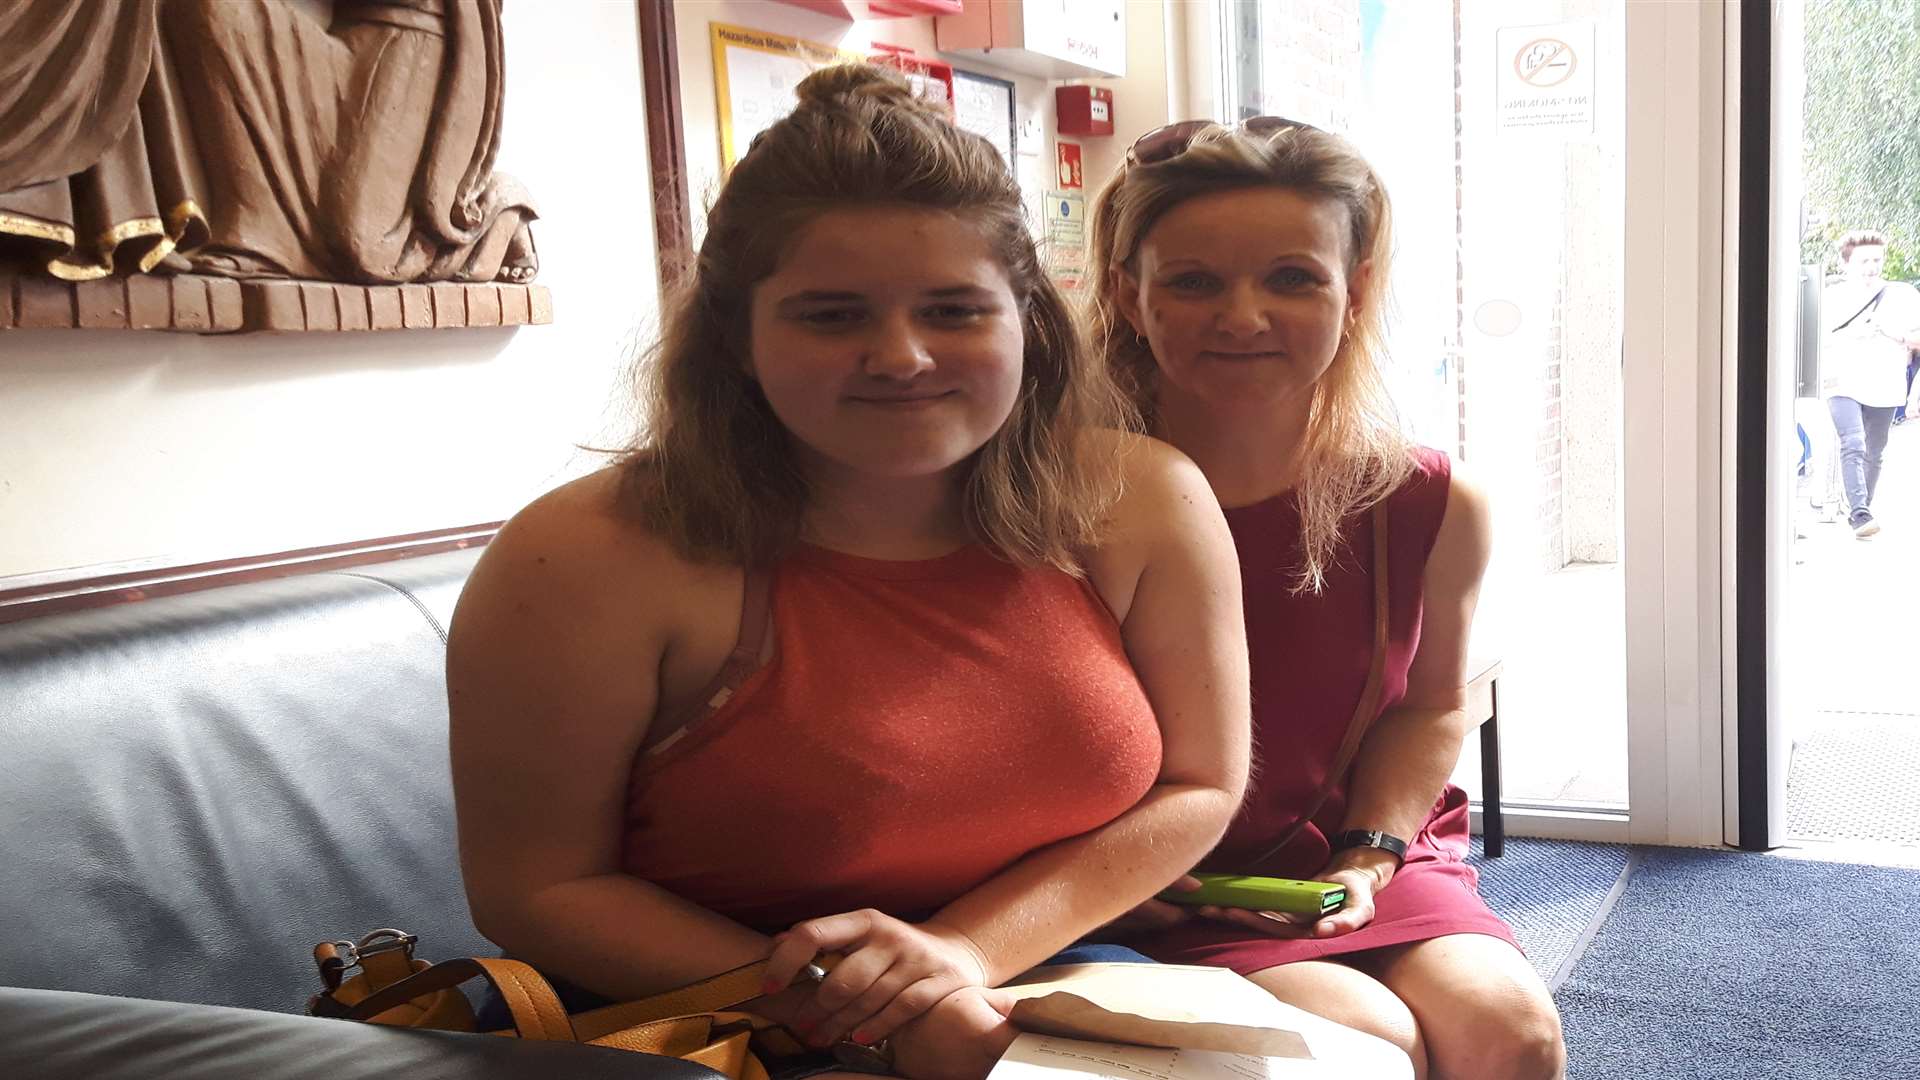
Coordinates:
x,y
717,473
1354,452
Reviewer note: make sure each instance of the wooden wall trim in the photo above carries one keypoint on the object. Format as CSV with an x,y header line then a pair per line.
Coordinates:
x,y
26,596
666,142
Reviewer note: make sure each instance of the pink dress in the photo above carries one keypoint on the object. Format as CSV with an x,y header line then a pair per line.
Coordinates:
x,y
1310,655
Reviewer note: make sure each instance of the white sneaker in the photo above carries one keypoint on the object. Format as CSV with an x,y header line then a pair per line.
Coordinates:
x,y
1865,527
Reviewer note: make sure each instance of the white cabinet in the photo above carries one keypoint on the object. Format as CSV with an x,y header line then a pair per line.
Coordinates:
x,y
1054,39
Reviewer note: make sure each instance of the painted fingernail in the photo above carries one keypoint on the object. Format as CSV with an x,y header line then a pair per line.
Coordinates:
x,y
861,1037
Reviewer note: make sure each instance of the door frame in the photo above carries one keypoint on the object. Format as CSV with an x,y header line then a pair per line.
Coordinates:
x,y
1764,414
1678,332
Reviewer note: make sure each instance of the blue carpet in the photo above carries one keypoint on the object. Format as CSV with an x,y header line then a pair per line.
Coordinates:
x,y
1749,967
1552,892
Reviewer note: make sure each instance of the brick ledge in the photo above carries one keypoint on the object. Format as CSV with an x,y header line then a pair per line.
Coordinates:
x,y
193,303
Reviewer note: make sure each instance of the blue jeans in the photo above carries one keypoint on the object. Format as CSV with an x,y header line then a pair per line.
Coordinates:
x,y
1863,439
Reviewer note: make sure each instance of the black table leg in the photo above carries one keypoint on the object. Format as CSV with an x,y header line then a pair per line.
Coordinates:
x,y
1493,826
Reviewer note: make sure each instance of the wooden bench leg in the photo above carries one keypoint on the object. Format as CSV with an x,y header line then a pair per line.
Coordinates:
x,y
1493,826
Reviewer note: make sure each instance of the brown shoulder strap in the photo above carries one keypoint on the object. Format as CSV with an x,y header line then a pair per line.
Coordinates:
x,y
756,606
1369,707
536,1009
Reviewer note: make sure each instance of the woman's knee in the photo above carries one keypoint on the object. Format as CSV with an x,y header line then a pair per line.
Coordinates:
x,y
1484,1013
1349,997
1514,1041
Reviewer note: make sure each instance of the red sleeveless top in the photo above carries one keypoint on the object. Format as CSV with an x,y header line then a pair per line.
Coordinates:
x,y
921,726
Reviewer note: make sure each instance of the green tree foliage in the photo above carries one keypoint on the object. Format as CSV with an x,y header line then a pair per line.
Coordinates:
x,y
1863,127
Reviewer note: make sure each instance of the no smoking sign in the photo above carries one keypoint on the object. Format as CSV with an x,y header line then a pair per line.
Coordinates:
x,y
1544,81
1545,62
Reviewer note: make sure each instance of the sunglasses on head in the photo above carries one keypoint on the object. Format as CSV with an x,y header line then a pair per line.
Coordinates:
x,y
1171,140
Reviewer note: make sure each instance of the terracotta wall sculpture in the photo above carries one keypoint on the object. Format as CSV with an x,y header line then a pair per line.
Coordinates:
x,y
227,149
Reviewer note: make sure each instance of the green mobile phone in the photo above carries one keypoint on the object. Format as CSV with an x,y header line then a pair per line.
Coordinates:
x,y
1286,895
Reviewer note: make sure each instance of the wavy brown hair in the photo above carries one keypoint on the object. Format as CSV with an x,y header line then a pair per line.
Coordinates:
x,y
1354,452
716,473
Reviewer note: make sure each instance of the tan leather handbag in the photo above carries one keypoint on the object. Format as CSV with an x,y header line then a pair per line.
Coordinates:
x,y
695,1023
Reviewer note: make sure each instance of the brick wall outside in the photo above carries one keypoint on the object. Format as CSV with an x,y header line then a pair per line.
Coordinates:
x,y
1459,237
1550,451
1309,59
1549,435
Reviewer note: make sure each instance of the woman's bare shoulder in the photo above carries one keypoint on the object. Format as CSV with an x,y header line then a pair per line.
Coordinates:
x,y
1464,543
583,528
576,558
1161,485
1166,516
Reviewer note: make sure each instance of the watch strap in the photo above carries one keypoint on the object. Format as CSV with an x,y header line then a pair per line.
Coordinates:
x,y
1373,838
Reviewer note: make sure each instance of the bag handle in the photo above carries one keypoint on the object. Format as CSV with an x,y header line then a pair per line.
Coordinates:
x,y
1369,706
537,1012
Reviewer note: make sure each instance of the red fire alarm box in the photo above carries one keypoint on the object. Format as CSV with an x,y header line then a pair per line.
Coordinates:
x,y
1083,110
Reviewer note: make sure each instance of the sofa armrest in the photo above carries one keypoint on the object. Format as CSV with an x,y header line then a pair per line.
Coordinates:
x,y
49,1034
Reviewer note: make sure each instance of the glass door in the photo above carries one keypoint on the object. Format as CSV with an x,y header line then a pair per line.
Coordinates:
x,y
1843,739
1498,128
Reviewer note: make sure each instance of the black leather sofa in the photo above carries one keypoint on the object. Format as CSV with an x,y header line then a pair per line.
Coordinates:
x,y
194,790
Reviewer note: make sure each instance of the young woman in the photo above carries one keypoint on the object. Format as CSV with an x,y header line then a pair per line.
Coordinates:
x,y
884,642
1242,274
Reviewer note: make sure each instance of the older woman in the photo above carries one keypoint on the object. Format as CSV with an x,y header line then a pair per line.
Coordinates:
x,y
1241,273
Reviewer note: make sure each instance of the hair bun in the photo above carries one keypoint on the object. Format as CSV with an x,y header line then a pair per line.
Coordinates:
x,y
839,85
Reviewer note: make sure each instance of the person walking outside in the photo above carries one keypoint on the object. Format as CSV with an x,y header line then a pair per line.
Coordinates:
x,y
1871,324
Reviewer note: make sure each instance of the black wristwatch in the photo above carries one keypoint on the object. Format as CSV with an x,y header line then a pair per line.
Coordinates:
x,y
1372,838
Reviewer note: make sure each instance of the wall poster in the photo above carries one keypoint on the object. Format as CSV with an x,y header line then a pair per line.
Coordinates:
x,y
1064,247
983,105
754,76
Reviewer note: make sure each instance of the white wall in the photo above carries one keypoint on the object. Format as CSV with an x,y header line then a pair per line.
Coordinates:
x,y
118,445
121,446
1144,99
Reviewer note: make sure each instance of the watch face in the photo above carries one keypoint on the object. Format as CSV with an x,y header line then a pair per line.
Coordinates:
x,y
877,1059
